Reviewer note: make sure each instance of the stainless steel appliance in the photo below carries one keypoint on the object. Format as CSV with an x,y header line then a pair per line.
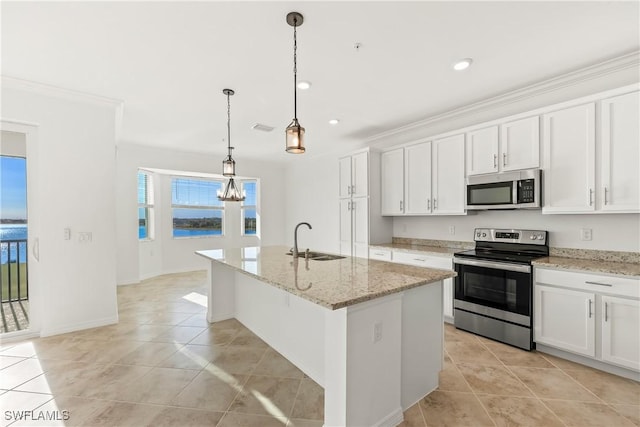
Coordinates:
x,y
493,294
506,190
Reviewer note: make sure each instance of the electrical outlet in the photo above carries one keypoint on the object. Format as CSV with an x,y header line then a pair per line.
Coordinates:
x,y
67,233
452,229
585,234
377,331
84,236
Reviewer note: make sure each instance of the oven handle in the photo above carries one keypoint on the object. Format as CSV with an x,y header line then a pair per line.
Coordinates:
x,y
492,264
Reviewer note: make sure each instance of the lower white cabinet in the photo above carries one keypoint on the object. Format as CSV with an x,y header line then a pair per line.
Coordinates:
x,y
565,318
592,315
620,335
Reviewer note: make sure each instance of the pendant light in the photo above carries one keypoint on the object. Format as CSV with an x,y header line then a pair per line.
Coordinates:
x,y
231,191
295,132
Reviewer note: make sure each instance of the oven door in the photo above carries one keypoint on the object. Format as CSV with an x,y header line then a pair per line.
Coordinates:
x,y
494,289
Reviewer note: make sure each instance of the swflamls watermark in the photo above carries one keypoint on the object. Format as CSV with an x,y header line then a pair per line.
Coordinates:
x,y
36,415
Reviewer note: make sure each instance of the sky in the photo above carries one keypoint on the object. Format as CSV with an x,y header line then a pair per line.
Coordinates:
x,y
13,187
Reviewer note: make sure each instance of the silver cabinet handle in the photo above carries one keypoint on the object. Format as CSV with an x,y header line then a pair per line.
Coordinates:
x,y
606,314
590,313
353,205
435,204
379,253
428,204
591,197
400,205
598,283
605,196
353,189
495,160
419,259
504,159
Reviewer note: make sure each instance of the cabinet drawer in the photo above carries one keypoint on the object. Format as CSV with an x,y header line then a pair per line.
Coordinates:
x,y
613,285
380,254
422,260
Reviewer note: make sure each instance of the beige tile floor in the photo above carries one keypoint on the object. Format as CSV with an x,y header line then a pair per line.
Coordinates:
x,y
164,365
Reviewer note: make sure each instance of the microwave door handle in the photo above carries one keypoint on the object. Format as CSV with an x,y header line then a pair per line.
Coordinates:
x,y
514,195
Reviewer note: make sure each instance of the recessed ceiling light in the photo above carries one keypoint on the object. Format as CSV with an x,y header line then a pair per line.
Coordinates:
x,y
334,121
462,64
304,85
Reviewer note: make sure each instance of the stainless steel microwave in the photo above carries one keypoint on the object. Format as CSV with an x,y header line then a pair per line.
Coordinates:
x,y
507,190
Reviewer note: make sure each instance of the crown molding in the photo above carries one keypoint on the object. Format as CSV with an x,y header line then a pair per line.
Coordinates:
x,y
621,63
9,82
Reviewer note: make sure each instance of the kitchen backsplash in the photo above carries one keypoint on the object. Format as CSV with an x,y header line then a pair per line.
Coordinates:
x,y
437,243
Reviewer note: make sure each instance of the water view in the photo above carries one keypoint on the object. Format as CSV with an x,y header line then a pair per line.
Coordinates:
x,y
11,232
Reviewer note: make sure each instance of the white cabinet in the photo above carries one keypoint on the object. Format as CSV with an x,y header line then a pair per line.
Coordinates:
x,y
380,254
565,318
442,263
482,151
392,169
591,315
448,187
620,154
354,175
620,335
569,163
360,220
417,178
510,146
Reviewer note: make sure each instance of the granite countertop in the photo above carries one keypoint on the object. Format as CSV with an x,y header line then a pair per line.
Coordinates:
x,y
589,265
423,249
332,284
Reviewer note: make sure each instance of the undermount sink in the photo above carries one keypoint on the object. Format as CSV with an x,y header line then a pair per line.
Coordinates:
x,y
317,256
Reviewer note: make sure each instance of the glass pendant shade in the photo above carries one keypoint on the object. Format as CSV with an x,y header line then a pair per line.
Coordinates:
x,y
231,193
229,166
295,138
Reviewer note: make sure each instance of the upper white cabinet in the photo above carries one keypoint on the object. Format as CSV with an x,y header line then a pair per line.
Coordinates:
x,y
520,144
448,188
425,178
569,160
510,146
620,154
392,169
417,178
354,175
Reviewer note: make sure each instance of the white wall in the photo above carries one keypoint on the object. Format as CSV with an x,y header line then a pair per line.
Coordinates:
x,y
165,254
75,164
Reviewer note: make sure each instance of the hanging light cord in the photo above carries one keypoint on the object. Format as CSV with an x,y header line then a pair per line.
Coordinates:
x,y
229,123
295,70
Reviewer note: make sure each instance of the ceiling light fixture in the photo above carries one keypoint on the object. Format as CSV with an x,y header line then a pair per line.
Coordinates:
x,y
334,121
304,85
462,64
295,132
231,192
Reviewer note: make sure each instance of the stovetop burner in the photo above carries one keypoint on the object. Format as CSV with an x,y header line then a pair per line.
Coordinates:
x,y
516,257
508,245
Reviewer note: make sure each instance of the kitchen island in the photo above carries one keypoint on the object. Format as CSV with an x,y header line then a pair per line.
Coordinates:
x,y
370,332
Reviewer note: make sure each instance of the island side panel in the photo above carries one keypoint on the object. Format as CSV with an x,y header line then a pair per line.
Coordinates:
x,y
294,327
221,298
422,342
362,368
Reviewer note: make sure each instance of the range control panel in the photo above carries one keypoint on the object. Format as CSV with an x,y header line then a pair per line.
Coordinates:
x,y
536,237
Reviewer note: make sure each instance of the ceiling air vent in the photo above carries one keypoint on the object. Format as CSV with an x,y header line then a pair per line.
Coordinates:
x,y
262,128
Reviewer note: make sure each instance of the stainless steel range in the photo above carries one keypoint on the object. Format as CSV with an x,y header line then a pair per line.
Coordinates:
x,y
494,286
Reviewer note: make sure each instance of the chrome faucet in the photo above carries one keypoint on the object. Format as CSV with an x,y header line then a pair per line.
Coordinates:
x,y
294,251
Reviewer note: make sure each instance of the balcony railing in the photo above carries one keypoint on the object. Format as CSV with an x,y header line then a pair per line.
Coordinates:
x,y
14,284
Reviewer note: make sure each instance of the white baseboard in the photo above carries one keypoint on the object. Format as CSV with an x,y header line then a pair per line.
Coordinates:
x,y
393,419
63,329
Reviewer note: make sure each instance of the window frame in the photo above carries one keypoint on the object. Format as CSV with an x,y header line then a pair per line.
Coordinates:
x,y
220,208
148,205
255,207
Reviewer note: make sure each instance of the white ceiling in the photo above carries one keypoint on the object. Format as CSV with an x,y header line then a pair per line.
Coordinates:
x,y
169,61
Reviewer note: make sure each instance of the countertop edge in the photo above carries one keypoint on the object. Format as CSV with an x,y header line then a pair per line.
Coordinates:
x,y
590,266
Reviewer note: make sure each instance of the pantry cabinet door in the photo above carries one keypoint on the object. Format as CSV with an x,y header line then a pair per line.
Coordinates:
x,y
344,177
360,175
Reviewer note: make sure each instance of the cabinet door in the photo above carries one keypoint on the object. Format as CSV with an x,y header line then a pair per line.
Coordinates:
x,y
620,129
569,164
360,226
392,182
565,319
621,331
346,235
448,175
360,175
417,160
482,151
520,144
344,177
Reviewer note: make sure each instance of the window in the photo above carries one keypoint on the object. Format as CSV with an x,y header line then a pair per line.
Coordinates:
x,y
196,208
145,205
249,208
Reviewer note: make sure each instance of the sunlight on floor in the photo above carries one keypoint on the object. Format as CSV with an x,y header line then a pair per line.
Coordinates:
x,y
196,298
